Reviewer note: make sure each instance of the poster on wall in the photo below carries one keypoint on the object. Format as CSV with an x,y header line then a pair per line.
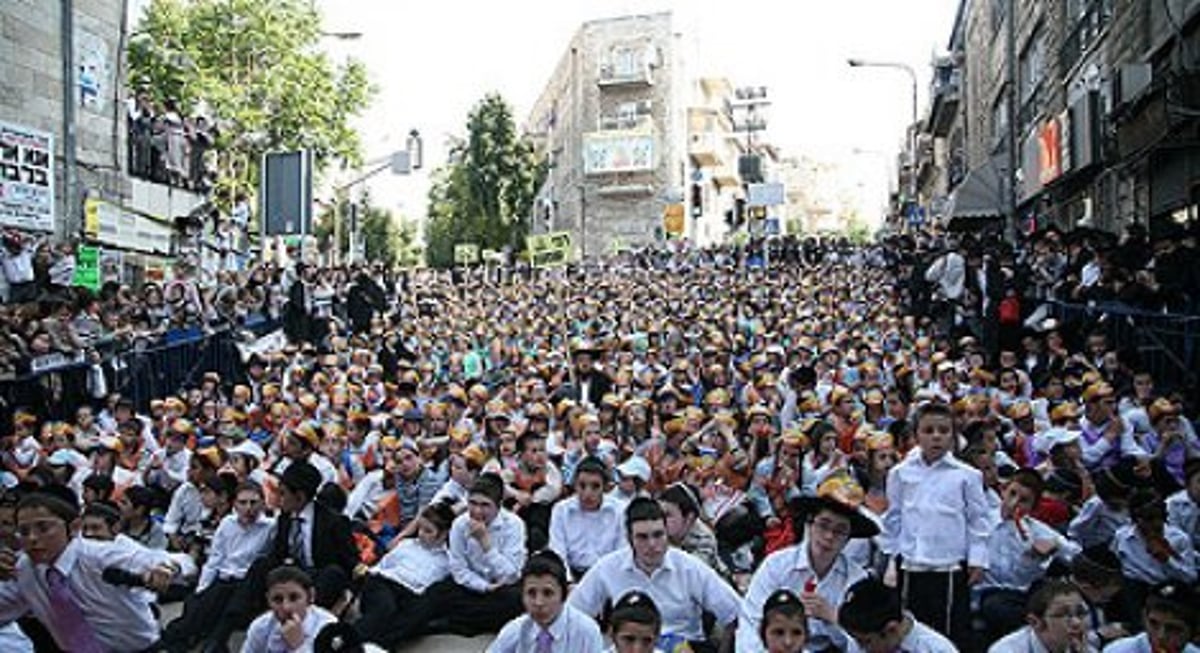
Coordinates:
x,y
93,71
26,178
617,152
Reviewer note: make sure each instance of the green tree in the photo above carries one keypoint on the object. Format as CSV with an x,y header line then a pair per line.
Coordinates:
x,y
386,238
256,67
485,195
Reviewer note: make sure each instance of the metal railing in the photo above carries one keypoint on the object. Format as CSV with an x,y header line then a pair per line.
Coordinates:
x,y
1167,344
141,374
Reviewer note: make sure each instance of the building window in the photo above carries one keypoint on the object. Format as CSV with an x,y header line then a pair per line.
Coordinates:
x,y
1000,117
627,62
1032,65
1086,21
1031,70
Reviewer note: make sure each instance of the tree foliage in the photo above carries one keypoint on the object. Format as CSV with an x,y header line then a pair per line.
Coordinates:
x,y
256,68
386,239
485,195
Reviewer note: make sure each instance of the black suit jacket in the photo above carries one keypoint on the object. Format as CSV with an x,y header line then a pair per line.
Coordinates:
x,y
598,385
332,540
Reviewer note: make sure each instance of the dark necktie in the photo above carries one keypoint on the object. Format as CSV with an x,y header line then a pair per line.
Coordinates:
x,y
296,542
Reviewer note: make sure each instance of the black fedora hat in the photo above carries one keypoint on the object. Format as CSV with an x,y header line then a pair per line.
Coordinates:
x,y
840,493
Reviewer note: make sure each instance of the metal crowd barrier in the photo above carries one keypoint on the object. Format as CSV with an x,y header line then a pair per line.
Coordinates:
x,y
1166,343
141,374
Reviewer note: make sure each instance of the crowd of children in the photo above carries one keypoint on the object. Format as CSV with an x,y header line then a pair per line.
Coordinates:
x,y
690,458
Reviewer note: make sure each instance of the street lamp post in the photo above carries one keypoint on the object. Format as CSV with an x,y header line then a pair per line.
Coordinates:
x,y
912,140
400,162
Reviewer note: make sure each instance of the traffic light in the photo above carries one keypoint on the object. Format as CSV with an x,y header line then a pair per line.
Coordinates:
x,y
697,200
739,212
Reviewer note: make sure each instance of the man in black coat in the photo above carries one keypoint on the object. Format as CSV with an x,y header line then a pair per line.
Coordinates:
x,y
591,383
363,300
308,535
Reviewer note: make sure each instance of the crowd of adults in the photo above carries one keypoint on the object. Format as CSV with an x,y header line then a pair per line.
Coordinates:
x,y
882,448
166,146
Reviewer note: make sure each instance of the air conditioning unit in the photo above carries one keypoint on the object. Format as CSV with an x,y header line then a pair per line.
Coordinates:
x,y
645,107
1129,81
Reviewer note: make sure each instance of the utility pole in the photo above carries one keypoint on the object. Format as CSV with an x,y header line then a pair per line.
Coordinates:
x,y
1011,80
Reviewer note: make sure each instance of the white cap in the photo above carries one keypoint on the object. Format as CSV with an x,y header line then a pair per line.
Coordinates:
x,y
1051,438
249,448
637,467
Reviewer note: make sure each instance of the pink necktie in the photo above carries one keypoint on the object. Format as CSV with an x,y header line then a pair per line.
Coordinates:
x,y
67,620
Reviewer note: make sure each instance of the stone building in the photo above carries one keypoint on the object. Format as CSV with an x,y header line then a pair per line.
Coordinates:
x,y
612,120
85,115
89,195
1105,110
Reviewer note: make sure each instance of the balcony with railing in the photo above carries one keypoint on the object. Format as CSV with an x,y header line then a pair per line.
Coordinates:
x,y
946,93
706,149
625,72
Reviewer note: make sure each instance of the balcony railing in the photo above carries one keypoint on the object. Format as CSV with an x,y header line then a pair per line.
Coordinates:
x,y
164,149
636,75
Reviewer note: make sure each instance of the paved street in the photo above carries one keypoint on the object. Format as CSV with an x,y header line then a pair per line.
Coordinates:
x,y
435,644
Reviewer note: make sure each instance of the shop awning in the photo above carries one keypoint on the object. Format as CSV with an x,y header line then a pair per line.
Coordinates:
x,y
980,196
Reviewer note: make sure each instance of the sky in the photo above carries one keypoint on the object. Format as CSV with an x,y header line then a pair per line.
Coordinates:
x,y
433,60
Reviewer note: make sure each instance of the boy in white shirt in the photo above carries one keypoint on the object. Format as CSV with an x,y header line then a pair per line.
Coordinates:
x,y
392,604
871,614
293,622
549,625
936,527
1170,616
239,539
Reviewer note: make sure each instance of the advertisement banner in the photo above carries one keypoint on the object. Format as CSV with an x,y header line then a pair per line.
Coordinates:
x,y
606,152
26,178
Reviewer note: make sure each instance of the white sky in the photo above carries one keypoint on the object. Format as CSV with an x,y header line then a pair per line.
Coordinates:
x,y
433,60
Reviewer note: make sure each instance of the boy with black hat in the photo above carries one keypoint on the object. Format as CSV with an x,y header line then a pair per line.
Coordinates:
x,y
871,614
308,535
817,564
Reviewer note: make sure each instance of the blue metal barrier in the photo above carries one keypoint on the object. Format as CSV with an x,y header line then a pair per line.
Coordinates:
x,y
179,362
1166,343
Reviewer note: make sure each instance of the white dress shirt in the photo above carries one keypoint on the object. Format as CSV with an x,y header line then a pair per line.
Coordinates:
x,y
453,492
414,565
13,640
365,496
1137,563
683,588
234,548
1141,644
937,514
1025,641
572,632
1184,514
185,512
479,570
790,568
120,616
1096,523
581,536
920,639
265,635
1013,564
